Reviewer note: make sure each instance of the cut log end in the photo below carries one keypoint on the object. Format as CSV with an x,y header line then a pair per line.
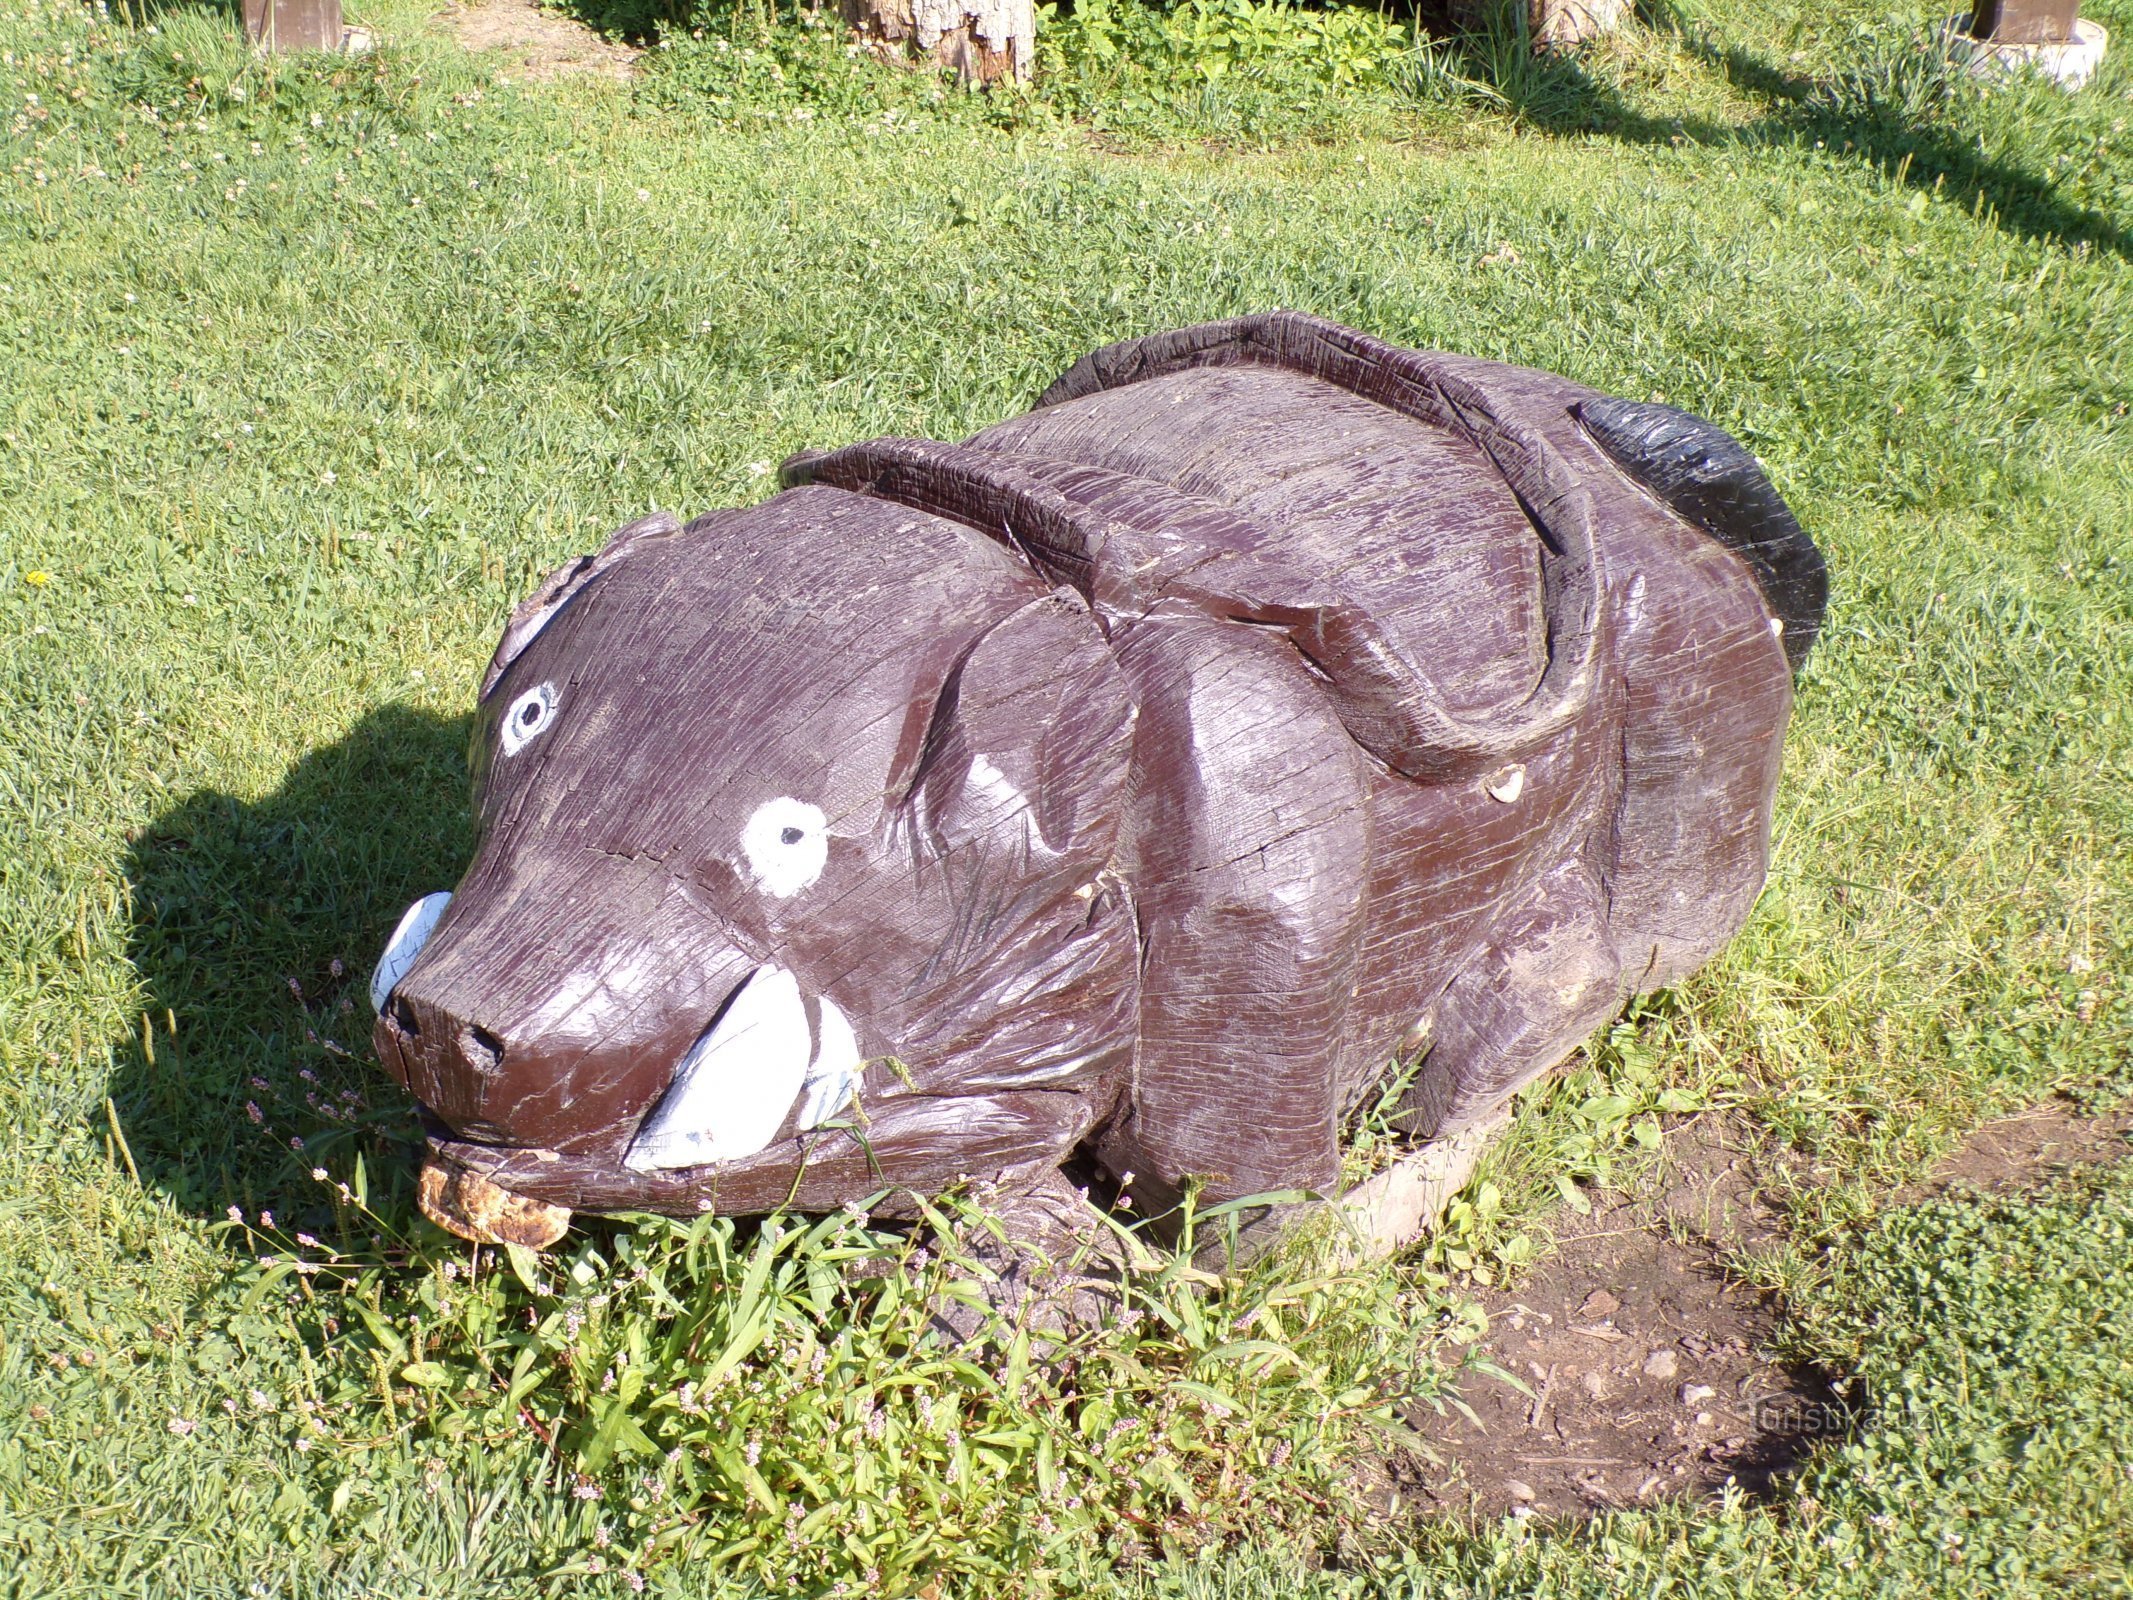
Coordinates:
x,y
466,1204
1406,1201
1379,1217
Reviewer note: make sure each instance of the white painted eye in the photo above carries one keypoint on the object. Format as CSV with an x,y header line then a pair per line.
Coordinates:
x,y
786,842
528,717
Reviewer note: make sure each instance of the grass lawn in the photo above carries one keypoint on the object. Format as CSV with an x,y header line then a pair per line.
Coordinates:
x,y
312,369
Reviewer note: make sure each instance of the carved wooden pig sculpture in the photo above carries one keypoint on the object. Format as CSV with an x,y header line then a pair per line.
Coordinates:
x,y
1136,779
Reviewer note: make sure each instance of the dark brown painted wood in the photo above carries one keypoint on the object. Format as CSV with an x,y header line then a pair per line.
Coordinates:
x,y
1267,701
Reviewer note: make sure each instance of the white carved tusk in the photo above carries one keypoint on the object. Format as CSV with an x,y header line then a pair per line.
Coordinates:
x,y
732,1090
834,1077
416,925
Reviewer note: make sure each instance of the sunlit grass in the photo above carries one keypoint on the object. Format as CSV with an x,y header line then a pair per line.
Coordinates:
x,y
308,381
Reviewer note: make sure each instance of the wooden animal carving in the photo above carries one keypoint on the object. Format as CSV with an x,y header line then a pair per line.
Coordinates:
x,y
1134,781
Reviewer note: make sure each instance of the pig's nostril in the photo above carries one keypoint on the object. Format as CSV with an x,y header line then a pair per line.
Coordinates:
x,y
403,1016
484,1052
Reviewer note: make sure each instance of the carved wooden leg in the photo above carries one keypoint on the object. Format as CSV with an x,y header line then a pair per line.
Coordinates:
x,y
1550,978
1250,892
1054,1263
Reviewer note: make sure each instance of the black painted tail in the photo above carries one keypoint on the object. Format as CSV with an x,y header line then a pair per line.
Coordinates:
x,y
1703,472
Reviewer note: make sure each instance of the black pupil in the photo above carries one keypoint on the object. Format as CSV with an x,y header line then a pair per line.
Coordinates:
x,y
532,714
792,836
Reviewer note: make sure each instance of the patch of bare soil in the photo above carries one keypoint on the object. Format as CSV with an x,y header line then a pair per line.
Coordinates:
x,y
1646,1369
543,43
2016,1152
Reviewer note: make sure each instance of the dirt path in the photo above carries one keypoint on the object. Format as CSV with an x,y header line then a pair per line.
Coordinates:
x,y
1646,1368
541,42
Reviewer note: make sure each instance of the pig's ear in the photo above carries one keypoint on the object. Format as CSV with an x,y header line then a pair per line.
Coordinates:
x,y
1029,745
563,585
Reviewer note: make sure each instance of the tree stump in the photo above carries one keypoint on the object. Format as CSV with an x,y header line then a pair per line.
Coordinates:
x,y
1552,23
983,41
1567,22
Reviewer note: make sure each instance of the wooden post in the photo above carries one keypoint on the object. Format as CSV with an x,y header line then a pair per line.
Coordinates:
x,y
984,41
2042,36
283,25
2025,21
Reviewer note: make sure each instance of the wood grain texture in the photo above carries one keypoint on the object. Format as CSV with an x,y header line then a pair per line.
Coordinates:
x,y
285,25
1268,700
2024,21
981,41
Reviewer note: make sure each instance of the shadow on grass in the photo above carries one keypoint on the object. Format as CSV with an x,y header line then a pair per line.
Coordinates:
x,y
640,22
1871,116
255,925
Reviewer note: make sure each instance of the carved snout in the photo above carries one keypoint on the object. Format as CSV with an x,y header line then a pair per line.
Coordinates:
x,y
514,1025
444,1062
656,1050
440,1060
